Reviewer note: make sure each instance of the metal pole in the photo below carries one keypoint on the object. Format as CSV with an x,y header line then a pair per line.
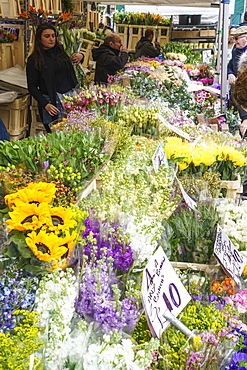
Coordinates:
x,y
224,54
219,41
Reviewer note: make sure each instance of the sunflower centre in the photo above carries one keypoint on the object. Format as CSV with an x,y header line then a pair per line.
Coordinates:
x,y
42,248
56,220
28,219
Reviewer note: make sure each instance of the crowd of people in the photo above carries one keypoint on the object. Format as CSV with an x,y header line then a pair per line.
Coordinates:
x,y
50,71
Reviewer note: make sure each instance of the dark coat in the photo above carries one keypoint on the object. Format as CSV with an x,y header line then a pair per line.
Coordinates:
x,y
145,48
232,67
58,75
108,62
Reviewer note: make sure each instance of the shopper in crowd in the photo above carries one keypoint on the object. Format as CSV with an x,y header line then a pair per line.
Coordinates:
x,y
231,42
50,71
110,57
244,23
145,47
240,38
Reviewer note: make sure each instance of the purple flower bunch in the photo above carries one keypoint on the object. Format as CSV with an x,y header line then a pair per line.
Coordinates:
x,y
98,302
104,240
16,292
239,358
194,361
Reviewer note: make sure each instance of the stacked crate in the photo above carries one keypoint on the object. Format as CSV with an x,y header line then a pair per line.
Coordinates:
x,y
86,51
37,126
122,31
14,116
7,55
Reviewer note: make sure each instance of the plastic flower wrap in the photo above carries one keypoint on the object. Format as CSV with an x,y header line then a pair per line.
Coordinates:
x,y
224,159
102,100
41,236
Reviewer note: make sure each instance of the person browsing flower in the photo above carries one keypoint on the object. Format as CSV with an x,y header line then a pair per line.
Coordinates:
x,y
50,71
110,57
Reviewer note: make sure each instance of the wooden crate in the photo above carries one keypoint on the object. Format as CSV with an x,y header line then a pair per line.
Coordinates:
x,y
14,116
77,7
163,33
86,51
7,55
92,16
1,9
36,126
10,8
135,33
123,31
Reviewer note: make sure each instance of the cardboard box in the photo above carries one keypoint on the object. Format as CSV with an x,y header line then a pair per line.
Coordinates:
x,y
212,33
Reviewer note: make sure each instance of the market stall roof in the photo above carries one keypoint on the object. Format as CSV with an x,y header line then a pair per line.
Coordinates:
x,y
191,3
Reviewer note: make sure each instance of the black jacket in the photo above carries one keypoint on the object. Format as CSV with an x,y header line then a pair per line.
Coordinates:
x,y
232,67
145,48
58,75
108,62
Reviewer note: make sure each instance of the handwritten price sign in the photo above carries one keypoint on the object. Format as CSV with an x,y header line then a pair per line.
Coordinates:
x,y
161,290
229,257
159,158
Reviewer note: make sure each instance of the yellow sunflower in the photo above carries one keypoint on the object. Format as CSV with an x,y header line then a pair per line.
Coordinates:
x,y
33,193
28,217
49,247
61,218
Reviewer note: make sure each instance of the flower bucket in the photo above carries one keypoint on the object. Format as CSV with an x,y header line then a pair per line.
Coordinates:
x,y
233,187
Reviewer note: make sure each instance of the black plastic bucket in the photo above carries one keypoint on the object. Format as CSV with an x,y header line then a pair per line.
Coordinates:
x,y
184,19
195,19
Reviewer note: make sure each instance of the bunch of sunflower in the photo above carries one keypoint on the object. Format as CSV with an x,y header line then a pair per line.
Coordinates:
x,y
42,236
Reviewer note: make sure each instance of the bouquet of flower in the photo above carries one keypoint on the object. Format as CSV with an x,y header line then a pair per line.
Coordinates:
x,y
42,236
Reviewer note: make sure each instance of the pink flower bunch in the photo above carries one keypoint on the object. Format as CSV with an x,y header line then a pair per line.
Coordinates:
x,y
201,96
221,120
238,301
206,81
177,63
180,119
98,99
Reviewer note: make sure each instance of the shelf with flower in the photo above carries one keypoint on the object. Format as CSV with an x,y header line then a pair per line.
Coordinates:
x,y
6,36
42,237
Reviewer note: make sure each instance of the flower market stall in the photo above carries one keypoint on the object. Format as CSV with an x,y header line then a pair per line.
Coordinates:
x,y
123,242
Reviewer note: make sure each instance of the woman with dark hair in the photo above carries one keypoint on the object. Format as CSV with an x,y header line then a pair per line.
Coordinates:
x,y
50,71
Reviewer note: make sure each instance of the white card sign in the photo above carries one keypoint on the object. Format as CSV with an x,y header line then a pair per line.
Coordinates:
x,y
174,129
161,290
131,365
229,257
159,158
188,200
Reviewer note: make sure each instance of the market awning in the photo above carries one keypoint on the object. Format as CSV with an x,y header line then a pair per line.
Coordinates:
x,y
191,3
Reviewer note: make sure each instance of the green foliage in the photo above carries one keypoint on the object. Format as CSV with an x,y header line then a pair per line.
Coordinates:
x,y
193,234
232,119
180,48
82,151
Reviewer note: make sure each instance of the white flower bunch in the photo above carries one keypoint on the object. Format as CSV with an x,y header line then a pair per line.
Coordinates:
x,y
234,223
143,237
55,302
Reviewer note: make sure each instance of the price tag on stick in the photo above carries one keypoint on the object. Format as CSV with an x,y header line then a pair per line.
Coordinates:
x,y
161,290
229,257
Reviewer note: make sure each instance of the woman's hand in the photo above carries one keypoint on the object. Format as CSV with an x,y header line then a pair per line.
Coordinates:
x,y
77,58
51,109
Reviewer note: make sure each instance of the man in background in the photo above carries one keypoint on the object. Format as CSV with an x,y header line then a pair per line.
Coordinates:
x,y
240,38
145,47
110,57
